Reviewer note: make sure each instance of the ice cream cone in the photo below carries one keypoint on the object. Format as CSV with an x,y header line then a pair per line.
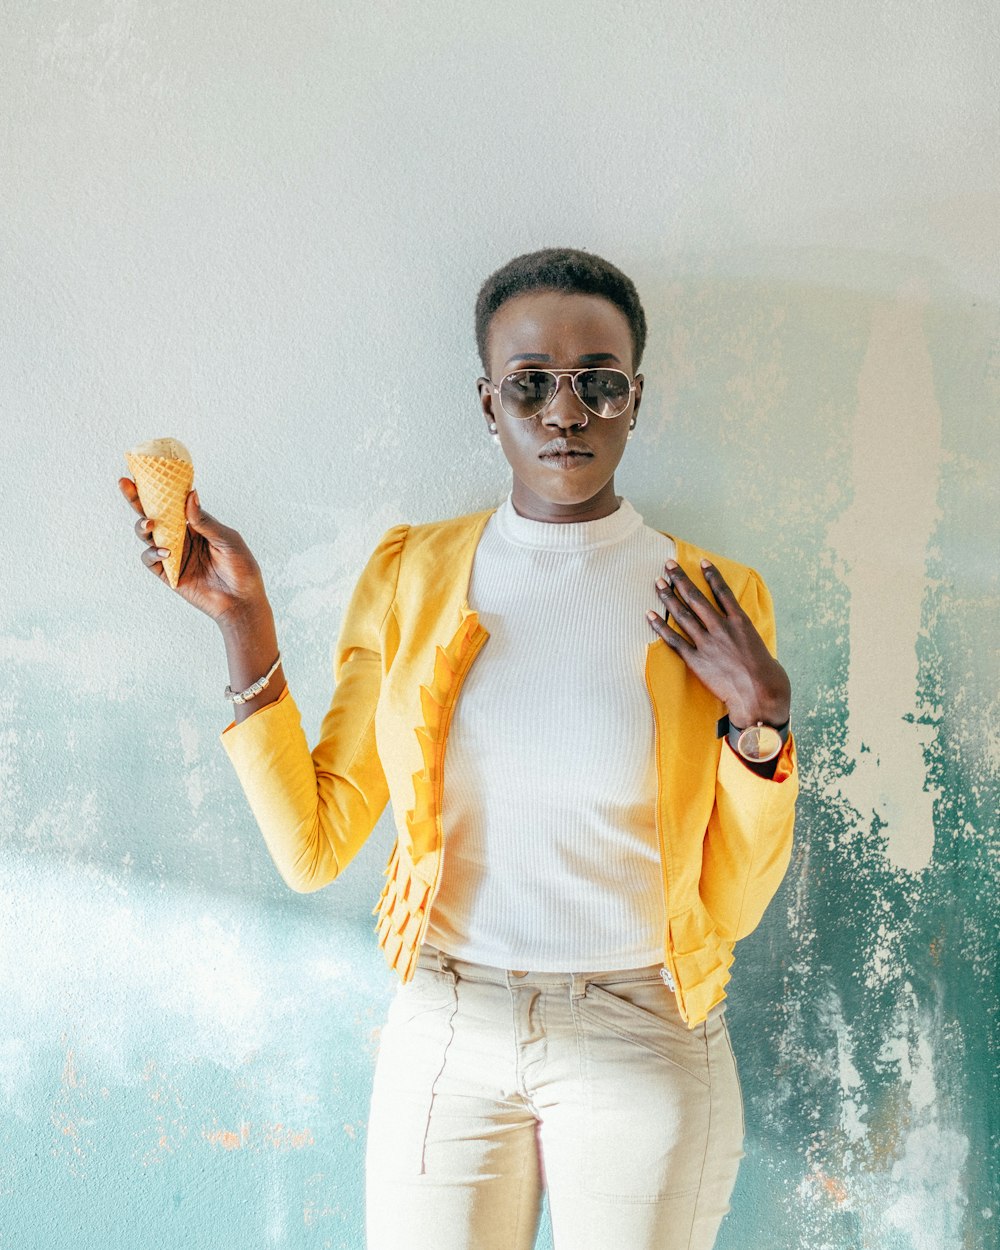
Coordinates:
x,y
164,474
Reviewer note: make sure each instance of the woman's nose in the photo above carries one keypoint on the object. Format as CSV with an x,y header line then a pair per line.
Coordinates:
x,y
565,408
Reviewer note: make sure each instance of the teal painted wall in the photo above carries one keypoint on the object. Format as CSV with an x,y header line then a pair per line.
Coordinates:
x,y
262,231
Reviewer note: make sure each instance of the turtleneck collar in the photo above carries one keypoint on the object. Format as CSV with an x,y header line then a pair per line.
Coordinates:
x,y
566,535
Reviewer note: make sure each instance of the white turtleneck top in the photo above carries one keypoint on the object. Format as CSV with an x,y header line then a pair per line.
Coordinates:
x,y
551,860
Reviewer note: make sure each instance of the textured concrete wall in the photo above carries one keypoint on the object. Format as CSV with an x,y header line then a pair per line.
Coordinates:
x,y
261,229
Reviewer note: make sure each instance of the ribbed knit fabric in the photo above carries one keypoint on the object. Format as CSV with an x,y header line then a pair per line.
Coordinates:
x,y
551,860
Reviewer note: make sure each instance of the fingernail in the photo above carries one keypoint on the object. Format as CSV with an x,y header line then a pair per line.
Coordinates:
x,y
706,564
197,501
162,551
661,584
650,615
672,564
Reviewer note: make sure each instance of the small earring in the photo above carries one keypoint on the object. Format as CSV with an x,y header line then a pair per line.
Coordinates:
x,y
631,429
495,436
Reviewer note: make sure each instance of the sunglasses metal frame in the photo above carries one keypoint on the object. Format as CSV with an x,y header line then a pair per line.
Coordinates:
x,y
573,374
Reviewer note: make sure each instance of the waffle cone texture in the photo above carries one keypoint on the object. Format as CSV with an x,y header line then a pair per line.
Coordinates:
x,y
163,487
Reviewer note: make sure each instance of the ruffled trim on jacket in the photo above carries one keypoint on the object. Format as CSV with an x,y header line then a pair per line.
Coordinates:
x,y
702,959
416,856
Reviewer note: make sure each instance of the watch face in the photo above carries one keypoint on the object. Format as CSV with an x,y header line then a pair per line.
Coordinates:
x,y
759,743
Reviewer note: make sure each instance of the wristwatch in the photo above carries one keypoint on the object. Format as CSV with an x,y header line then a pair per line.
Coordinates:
x,y
758,743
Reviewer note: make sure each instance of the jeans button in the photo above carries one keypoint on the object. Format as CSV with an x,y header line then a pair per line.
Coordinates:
x,y
518,974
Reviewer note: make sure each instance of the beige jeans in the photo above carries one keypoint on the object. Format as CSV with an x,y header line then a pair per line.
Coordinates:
x,y
492,1086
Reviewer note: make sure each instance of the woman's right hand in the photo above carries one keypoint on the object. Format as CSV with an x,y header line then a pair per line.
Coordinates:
x,y
219,574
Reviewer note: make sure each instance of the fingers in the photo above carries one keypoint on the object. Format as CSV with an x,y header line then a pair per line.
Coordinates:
x,y
691,610
683,600
676,641
152,557
719,587
688,604
685,589
213,531
128,489
144,524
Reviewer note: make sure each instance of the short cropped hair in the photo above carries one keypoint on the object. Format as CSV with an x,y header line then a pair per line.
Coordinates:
x,y
559,269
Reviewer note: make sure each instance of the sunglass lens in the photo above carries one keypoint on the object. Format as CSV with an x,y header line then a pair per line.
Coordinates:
x,y
526,392
604,391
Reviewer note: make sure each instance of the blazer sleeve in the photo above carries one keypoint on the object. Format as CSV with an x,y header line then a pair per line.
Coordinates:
x,y
748,843
316,809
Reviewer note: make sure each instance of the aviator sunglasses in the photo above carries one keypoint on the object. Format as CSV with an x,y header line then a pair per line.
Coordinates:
x,y
525,392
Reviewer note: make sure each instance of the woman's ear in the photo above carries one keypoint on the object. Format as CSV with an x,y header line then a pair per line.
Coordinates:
x,y
486,403
637,396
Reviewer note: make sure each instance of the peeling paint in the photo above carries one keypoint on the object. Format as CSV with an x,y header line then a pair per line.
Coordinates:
x,y
228,1140
879,540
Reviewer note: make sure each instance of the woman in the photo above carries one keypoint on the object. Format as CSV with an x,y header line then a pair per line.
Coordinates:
x,y
561,904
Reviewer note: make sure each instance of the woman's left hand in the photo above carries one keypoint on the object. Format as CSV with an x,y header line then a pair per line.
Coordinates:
x,y
721,647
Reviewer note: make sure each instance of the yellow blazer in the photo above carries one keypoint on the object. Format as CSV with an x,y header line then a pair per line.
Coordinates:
x,y
407,641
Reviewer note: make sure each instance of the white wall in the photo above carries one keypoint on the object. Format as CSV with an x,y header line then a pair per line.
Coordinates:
x,y
261,229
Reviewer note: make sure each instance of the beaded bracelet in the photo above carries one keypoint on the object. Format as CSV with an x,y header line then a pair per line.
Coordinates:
x,y
251,692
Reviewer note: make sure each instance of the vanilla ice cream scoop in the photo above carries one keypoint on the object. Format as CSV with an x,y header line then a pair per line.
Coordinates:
x,y
164,474
165,448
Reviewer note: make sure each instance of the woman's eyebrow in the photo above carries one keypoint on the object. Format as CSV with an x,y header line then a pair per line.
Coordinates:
x,y
583,359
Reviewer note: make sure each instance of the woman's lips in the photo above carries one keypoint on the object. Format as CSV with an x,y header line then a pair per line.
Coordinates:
x,y
567,459
566,453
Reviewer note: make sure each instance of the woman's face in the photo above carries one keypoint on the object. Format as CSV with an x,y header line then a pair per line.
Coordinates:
x,y
560,330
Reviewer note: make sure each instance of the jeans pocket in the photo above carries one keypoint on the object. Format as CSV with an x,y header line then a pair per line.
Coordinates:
x,y
428,990
411,1056
647,1091
644,1011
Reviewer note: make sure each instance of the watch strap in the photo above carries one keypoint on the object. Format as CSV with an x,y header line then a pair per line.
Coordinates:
x,y
724,725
